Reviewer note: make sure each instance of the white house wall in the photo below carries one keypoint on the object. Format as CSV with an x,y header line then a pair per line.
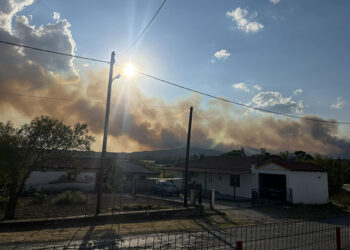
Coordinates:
x,y
307,187
49,180
221,183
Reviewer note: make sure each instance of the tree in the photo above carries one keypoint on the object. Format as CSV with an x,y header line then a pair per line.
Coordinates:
x,y
115,178
336,172
23,148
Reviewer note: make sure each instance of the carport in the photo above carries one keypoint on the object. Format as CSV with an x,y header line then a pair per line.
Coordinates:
x,y
273,186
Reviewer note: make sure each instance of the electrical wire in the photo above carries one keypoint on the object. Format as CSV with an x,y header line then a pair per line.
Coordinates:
x,y
237,103
54,99
53,52
186,88
144,30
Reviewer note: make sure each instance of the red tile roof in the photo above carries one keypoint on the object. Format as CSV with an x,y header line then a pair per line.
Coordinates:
x,y
231,165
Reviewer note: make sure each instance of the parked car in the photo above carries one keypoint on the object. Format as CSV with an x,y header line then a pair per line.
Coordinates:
x,y
165,188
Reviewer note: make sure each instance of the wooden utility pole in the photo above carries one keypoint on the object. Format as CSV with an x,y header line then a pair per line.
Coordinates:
x,y
105,134
187,156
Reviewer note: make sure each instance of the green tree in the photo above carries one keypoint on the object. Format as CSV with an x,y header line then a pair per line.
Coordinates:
x,y
116,178
24,148
336,172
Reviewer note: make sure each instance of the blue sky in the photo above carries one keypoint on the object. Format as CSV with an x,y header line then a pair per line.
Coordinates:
x,y
302,45
289,56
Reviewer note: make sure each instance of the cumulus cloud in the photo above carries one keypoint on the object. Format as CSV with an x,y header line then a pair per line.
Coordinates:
x,y
339,104
239,17
275,1
241,86
298,91
8,9
257,87
222,54
274,101
56,15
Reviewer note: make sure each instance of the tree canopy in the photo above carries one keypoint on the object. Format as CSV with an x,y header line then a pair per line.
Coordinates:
x,y
21,149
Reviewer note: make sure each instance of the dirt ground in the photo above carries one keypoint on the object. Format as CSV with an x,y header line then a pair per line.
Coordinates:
x,y
28,210
229,216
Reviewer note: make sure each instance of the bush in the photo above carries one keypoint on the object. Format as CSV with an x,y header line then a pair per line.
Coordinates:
x,y
39,198
69,198
3,201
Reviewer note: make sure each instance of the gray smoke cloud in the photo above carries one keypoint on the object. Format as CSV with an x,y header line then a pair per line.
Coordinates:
x,y
137,121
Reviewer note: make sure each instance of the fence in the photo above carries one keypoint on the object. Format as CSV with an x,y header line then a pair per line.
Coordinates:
x,y
41,205
304,234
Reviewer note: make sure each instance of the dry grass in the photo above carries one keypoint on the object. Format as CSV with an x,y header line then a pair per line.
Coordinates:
x,y
111,231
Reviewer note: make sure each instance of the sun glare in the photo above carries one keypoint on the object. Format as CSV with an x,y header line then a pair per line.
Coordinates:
x,y
129,70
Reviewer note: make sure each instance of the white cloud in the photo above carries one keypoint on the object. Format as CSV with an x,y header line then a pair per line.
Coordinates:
x,y
8,8
86,65
257,87
298,91
241,86
275,1
222,54
56,15
339,104
274,101
239,16
54,36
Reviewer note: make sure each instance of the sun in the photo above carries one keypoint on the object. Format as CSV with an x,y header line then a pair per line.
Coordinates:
x,y
129,70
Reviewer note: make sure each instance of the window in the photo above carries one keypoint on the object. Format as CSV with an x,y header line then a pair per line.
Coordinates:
x,y
235,180
220,177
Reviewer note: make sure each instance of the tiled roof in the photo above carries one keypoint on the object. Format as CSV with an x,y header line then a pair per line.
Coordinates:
x,y
240,165
91,163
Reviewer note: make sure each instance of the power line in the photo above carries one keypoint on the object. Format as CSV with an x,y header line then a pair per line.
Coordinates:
x,y
53,52
62,99
237,103
183,87
144,30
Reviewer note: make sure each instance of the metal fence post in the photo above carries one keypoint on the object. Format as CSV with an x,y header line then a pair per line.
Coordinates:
x,y
338,238
239,245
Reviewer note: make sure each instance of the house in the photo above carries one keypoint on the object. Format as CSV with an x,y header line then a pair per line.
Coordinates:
x,y
79,172
269,177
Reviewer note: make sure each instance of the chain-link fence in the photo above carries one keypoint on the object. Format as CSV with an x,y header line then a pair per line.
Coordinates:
x,y
327,234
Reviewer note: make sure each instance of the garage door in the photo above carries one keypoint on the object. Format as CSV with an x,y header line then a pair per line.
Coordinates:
x,y
272,186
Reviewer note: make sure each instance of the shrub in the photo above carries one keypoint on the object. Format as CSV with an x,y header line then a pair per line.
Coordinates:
x,y
3,201
69,198
39,198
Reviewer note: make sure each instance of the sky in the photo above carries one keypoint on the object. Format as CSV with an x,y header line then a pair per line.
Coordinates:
x,y
289,56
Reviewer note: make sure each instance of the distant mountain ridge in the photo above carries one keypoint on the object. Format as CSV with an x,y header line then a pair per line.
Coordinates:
x,y
170,153
179,153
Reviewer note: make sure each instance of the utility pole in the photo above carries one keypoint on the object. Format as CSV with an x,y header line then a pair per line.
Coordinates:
x,y
187,156
105,134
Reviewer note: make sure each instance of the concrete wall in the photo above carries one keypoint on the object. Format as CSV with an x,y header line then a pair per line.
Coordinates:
x,y
221,183
57,180
307,187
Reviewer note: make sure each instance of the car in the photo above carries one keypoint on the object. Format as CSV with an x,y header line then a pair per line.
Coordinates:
x,y
165,188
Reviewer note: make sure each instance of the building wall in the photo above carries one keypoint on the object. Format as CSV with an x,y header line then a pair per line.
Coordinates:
x,y
58,180
220,183
307,187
